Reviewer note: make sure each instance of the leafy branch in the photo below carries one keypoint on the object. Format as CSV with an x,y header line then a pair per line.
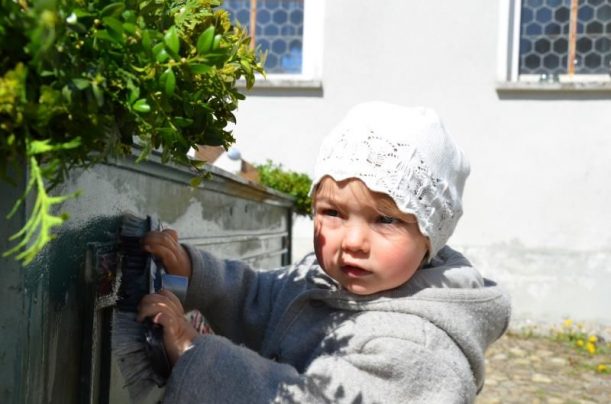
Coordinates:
x,y
81,82
41,221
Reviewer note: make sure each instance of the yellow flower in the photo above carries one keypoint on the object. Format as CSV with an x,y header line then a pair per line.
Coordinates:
x,y
601,368
591,348
579,343
568,323
593,339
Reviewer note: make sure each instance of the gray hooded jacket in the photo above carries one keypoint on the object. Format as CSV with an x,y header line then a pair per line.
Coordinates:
x,y
294,335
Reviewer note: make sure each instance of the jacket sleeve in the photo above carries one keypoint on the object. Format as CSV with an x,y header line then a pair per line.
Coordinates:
x,y
387,370
233,297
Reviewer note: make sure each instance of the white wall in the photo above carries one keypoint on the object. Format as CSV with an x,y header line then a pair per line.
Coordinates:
x,y
537,215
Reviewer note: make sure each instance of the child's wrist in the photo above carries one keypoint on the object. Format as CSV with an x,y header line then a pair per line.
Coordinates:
x,y
184,344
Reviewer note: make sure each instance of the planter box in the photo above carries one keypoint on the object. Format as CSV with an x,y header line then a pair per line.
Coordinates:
x,y
55,342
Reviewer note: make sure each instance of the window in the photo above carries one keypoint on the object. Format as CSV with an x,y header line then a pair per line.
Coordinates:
x,y
558,40
287,30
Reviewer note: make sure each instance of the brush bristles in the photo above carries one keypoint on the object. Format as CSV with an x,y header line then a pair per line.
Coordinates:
x,y
128,346
128,341
135,262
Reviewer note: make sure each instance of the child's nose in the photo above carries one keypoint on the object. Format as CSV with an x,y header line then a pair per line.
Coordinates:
x,y
356,237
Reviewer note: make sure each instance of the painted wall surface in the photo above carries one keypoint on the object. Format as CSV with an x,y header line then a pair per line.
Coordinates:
x,y
536,203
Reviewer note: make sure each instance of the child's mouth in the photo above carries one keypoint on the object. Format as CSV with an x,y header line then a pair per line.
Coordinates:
x,y
354,272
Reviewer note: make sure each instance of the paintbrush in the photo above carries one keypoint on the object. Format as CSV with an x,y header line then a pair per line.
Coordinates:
x,y
138,346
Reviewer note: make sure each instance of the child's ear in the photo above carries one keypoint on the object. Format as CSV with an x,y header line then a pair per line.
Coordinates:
x,y
427,253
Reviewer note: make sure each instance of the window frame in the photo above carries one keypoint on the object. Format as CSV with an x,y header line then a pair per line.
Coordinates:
x,y
508,71
312,57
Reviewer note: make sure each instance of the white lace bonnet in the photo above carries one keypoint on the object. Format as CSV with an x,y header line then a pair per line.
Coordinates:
x,y
405,153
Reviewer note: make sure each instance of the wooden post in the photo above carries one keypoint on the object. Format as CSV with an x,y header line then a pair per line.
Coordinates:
x,y
572,38
253,22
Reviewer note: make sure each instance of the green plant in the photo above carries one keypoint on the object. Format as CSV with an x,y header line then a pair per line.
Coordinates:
x,y
82,81
290,182
584,342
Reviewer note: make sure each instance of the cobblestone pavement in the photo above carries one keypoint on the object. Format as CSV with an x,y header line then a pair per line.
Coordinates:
x,y
533,370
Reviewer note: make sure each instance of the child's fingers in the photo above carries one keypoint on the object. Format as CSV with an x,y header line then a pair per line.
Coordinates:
x,y
178,334
159,240
165,246
172,233
165,309
155,303
173,298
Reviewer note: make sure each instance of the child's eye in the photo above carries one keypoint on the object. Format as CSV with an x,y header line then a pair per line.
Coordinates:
x,y
388,220
330,212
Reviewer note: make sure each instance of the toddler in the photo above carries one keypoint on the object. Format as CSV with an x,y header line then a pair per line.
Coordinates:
x,y
382,312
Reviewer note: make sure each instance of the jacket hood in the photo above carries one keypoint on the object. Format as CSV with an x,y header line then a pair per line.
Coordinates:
x,y
453,296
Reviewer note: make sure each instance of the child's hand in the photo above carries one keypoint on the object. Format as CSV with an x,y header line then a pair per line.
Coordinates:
x,y
164,245
165,309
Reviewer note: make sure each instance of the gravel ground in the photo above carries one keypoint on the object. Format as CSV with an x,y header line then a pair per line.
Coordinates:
x,y
536,369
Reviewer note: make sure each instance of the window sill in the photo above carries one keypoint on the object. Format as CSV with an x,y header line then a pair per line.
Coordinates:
x,y
284,85
558,87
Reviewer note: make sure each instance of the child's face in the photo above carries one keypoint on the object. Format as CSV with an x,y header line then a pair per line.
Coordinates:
x,y
362,240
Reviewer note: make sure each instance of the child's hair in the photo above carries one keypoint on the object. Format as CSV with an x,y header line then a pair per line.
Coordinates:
x,y
385,205
404,153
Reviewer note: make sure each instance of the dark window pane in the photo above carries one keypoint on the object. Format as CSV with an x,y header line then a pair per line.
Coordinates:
x,y
543,15
561,46
604,13
585,13
562,14
263,16
542,45
551,62
603,45
279,22
533,29
552,29
593,61
271,62
280,17
243,16
278,46
594,28
532,61
297,17
553,3
525,46
584,45
534,3
270,30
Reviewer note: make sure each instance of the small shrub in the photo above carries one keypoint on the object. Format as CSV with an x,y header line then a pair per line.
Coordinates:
x,y
295,184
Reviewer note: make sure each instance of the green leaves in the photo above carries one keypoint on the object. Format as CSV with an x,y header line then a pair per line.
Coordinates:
x,y
113,9
199,68
295,184
161,55
171,40
204,42
141,106
77,79
45,146
81,84
167,80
